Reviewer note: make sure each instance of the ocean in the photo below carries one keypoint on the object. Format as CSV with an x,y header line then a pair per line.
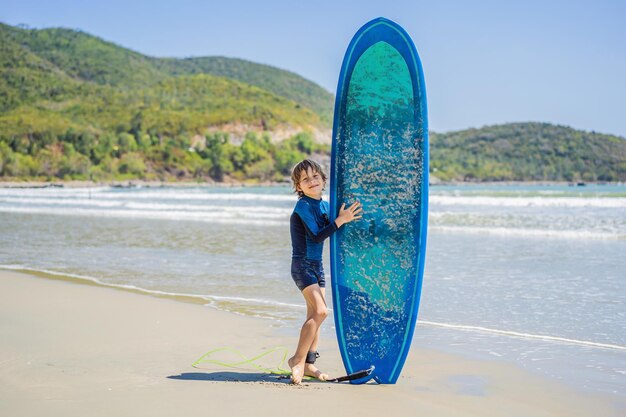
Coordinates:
x,y
533,275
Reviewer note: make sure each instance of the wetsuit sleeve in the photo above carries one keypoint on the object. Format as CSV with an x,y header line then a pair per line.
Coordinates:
x,y
316,233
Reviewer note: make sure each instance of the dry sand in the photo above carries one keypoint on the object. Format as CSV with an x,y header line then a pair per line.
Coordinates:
x,y
78,350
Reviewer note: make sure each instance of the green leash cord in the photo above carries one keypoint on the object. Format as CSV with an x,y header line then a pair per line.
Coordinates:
x,y
278,370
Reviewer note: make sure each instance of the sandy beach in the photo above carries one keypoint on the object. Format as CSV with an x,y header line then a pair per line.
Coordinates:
x,y
70,349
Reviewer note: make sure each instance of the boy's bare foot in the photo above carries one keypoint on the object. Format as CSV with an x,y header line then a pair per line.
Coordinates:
x,y
297,371
311,370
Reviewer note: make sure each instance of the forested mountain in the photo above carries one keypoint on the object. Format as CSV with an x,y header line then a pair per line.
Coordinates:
x,y
58,64
280,82
73,106
528,152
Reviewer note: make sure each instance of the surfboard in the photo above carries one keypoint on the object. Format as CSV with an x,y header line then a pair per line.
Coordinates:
x,y
380,158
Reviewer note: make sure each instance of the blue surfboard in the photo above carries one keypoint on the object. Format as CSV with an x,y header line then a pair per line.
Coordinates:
x,y
380,158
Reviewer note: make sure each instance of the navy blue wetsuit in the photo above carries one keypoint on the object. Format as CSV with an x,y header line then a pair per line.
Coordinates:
x,y
310,225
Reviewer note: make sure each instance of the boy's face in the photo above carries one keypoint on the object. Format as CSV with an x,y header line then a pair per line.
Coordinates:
x,y
311,184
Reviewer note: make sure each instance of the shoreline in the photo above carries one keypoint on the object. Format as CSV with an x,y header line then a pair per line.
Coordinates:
x,y
135,184
87,349
199,300
244,184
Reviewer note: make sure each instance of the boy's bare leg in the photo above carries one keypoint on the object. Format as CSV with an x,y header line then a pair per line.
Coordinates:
x,y
309,368
316,306
308,313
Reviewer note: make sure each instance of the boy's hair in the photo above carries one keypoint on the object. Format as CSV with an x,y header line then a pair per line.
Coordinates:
x,y
303,166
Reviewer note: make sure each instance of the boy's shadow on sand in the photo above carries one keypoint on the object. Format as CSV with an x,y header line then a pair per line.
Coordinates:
x,y
229,377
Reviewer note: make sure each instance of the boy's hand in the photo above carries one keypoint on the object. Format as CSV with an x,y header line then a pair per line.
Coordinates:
x,y
347,215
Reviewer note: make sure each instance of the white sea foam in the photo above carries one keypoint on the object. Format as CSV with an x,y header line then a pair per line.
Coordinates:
x,y
255,301
200,297
171,195
241,216
175,204
529,232
63,201
143,194
256,211
54,192
523,335
446,200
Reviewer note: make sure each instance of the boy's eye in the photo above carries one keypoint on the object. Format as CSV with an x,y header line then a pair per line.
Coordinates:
x,y
315,177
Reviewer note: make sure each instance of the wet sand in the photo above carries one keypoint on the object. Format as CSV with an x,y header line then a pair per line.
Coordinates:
x,y
68,349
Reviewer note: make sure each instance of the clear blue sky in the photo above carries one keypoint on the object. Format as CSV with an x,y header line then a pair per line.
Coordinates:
x,y
485,62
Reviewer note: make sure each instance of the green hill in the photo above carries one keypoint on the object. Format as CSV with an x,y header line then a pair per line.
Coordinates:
x,y
86,57
280,82
528,152
80,56
26,77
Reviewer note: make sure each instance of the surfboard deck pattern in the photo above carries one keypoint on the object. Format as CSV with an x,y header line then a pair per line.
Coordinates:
x,y
380,158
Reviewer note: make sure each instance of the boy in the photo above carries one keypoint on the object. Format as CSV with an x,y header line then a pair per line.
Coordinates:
x,y
310,226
